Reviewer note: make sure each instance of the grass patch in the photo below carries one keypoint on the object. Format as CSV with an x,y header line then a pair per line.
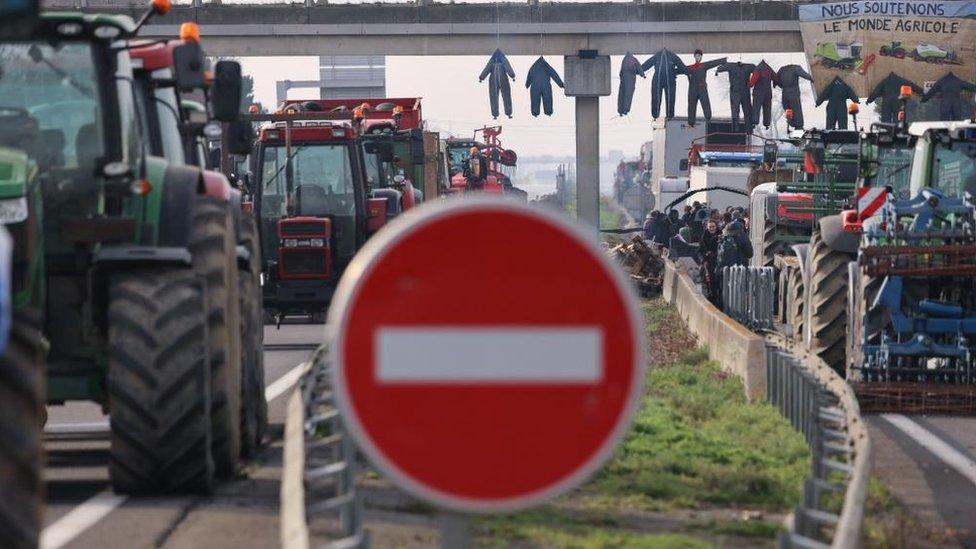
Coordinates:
x,y
695,444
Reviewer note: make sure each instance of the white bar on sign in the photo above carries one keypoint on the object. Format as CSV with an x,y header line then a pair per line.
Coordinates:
x,y
490,355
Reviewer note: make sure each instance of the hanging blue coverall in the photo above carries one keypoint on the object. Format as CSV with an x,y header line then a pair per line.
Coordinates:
x,y
666,66
836,95
630,68
889,91
788,79
949,88
498,71
539,81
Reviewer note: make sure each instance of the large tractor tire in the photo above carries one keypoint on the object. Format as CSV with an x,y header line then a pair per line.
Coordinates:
x,y
254,409
865,319
214,250
21,422
158,383
825,301
794,309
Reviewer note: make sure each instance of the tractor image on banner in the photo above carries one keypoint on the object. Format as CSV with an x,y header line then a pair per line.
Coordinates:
x,y
862,42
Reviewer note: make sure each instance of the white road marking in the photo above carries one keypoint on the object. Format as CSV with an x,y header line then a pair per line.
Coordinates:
x,y
488,354
84,516
952,457
80,519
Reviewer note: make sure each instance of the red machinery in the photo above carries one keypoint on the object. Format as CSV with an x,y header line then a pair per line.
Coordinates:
x,y
494,181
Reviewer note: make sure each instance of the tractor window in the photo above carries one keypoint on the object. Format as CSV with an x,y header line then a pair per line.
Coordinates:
x,y
50,105
322,180
887,166
954,167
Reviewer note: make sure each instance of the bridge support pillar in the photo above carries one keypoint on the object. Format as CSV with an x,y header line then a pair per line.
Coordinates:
x,y
588,160
587,78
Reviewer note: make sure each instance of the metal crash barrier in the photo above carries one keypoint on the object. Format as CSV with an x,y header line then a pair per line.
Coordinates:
x,y
822,407
325,499
749,295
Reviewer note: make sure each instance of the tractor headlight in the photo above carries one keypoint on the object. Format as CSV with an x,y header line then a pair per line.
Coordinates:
x,y
291,243
318,242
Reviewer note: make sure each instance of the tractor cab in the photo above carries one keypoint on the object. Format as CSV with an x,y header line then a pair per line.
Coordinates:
x,y
313,208
944,158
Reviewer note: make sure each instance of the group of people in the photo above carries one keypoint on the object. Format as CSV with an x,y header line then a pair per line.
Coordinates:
x,y
712,238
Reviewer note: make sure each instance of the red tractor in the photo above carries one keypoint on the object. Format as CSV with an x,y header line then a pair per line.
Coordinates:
x,y
313,203
478,166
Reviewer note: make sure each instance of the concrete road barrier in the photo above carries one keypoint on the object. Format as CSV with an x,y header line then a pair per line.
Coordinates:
x,y
729,343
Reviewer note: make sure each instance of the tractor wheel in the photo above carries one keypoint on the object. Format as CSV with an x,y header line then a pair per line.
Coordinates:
x,y
21,422
866,320
826,302
158,383
215,258
900,54
254,411
885,51
794,310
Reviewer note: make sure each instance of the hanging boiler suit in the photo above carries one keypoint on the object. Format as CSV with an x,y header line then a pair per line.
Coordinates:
x,y
630,68
698,89
889,91
498,71
761,82
666,68
836,95
949,88
539,81
739,74
788,79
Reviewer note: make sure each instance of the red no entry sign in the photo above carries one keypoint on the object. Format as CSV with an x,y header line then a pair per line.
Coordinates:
x,y
488,356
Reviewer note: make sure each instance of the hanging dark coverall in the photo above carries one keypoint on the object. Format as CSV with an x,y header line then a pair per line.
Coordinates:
x,y
761,82
666,68
539,81
739,74
698,89
630,68
836,95
889,90
498,71
949,88
788,79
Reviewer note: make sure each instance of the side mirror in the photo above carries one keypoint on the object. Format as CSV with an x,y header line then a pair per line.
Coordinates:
x,y
683,165
226,93
188,66
239,137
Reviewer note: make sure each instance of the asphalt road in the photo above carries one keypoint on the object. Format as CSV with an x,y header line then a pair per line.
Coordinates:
x,y
82,511
929,464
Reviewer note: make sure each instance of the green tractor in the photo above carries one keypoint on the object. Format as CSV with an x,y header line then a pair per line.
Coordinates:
x,y
894,49
124,277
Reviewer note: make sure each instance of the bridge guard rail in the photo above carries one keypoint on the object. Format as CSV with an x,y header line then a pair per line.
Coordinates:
x,y
817,401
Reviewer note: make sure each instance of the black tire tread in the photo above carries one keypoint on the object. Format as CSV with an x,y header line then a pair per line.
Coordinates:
x,y
157,384
21,421
213,247
826,303
254,413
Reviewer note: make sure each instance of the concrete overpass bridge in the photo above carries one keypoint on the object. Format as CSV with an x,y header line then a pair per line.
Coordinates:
x,y
553,28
